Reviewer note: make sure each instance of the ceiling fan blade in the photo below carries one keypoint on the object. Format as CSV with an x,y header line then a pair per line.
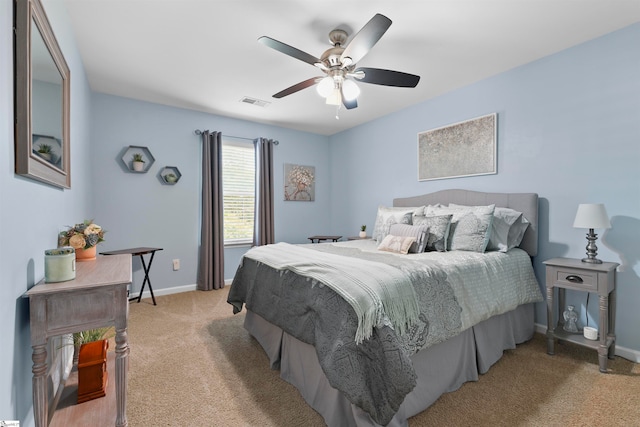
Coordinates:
x,y
349,105
289,50
379,76
297,87
366,38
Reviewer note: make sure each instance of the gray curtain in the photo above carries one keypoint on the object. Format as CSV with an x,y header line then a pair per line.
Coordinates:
x,y
211,257
264,232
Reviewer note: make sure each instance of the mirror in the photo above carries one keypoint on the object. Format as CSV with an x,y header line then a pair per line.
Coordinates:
x,y
41,99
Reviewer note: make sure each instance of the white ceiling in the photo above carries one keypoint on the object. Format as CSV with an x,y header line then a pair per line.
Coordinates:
x,y
204,55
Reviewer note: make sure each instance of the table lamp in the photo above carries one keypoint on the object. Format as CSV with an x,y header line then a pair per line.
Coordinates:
x,y
591,215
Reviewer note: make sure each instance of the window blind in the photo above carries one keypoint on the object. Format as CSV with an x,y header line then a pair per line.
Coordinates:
x,y
238,187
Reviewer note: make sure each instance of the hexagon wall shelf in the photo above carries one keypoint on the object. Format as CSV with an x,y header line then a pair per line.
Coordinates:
x,y
170,175
127,158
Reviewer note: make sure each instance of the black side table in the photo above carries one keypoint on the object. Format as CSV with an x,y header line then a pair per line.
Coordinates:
x,y
145,267
325,238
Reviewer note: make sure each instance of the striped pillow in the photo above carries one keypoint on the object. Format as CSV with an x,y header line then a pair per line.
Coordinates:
x,y
420,232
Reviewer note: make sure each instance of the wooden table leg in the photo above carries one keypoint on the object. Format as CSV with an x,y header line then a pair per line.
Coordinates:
x,y
612,324
122,357
603,351
550,322
40,401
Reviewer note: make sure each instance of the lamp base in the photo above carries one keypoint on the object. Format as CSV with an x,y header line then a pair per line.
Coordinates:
x,y
592,249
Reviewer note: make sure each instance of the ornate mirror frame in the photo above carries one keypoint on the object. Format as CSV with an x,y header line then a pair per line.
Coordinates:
x,y
32,128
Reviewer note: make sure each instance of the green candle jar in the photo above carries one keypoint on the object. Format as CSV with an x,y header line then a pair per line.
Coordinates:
x,y
59,264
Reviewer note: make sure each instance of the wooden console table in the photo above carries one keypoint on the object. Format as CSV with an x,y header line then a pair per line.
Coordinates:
x,y
567,273
96,298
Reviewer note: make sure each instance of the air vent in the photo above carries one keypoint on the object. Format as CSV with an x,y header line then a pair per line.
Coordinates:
x,y
256,102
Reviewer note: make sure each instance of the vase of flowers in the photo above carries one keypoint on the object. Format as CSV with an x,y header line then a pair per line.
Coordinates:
x,y
83,237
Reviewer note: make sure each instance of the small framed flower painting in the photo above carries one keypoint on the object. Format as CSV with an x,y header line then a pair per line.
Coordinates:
x,y
299,183
461,149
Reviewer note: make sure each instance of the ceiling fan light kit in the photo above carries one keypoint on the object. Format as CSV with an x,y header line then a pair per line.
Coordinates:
x,y
325,87
339,65
334,98
350,90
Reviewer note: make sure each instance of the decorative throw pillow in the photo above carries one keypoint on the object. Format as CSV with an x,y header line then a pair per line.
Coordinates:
x,y
470,227
438,230
396,244
388,216
420,232
507,228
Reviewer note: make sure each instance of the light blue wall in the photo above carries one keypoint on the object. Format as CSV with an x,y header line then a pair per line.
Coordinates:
x,y
568,129
139,210
32,213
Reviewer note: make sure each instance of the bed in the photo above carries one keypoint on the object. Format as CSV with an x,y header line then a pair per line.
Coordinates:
x,y
358,373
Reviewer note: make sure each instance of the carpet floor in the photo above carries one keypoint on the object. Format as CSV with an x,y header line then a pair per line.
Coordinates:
x,y
193,364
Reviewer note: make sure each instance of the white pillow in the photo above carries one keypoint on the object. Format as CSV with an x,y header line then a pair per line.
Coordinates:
x,y
420,232
470,226
517,229
388,216
397,244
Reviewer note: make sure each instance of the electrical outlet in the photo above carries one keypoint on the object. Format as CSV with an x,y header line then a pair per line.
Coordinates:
x,y
176,264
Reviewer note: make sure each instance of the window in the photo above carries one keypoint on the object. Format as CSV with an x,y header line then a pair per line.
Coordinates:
x,y
238,188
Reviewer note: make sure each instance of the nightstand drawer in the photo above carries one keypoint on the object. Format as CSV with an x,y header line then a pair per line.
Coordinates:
x,y
577,279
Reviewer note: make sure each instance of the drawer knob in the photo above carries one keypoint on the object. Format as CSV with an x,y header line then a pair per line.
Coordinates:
x,y
574,279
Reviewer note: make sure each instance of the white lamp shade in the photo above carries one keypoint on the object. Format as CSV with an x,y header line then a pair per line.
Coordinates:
x,y
350,90
325,87
591,215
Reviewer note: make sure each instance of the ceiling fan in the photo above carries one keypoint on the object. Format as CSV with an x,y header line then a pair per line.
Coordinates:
x,y
339,65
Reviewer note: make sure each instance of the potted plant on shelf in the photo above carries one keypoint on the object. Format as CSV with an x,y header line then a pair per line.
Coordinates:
x,y
363,231
44,151
83,237
138,162
91,347
170,178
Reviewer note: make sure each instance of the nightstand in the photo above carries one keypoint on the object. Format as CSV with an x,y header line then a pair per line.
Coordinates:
x,y
568,273
358,238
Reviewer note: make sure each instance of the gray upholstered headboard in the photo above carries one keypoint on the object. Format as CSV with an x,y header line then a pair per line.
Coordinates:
x,y
527,203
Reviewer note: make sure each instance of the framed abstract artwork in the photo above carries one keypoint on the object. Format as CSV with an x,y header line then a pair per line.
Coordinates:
x,y
461,149
299,183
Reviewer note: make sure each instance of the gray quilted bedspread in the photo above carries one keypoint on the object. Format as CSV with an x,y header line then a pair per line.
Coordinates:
x,y
377,374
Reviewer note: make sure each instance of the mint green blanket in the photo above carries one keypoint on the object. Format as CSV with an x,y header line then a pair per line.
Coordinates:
x,y
376,291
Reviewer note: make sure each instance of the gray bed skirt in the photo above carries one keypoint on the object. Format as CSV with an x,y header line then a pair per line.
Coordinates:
x,y
441,368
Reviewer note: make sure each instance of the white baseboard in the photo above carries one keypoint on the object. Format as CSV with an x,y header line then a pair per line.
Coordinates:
x,y
627,353
169,291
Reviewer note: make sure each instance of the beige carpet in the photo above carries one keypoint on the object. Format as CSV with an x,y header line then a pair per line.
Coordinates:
x,y
193,364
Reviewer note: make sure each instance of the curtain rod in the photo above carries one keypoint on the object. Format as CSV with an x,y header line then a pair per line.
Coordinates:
x,y
199,132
